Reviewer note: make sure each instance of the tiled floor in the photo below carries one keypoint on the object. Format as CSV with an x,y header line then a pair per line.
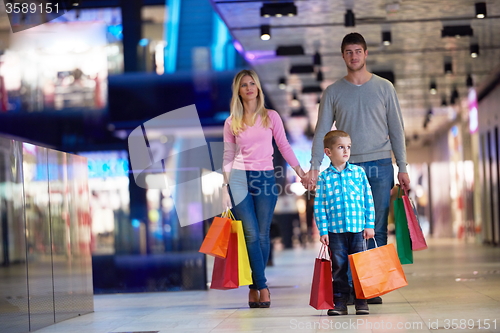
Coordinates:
x,y
451,285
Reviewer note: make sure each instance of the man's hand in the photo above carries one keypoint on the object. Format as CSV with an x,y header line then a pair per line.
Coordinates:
x,y
324,239
404,180
368,233
310,179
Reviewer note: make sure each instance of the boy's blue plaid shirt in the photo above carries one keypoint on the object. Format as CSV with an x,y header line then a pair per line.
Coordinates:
x,y
343,201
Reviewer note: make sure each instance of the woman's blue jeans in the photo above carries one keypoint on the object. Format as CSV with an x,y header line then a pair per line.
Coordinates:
x,y
380,174
254,196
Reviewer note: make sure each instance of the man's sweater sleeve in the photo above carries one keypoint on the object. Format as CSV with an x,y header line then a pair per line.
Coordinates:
x,y
396,129
326,117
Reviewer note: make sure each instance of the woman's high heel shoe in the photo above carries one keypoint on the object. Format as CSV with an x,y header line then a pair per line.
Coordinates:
x,y
266,304
251,304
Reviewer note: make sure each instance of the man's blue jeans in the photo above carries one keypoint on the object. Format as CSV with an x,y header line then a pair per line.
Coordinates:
x,y
380,175
341,245
255,195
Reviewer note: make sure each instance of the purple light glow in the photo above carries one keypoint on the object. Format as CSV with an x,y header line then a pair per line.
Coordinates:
x,y
238,46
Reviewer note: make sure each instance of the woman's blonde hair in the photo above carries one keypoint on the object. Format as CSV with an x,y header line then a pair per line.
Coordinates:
x,y
236,107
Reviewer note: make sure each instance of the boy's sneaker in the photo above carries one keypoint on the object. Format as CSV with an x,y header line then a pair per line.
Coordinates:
x,y
361,307
340,308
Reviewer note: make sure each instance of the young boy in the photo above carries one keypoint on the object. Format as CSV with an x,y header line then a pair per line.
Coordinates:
x,y
345,215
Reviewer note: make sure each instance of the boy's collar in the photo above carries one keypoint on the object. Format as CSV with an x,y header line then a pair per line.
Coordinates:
x,y
347,166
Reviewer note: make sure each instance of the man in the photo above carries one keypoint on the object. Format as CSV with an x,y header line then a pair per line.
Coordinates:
x,y
365,106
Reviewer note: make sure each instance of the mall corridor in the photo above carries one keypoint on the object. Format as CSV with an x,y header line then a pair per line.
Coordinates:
x,y
452,286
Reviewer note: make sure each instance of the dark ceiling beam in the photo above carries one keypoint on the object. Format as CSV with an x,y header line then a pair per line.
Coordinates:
x,y
367,21
88,4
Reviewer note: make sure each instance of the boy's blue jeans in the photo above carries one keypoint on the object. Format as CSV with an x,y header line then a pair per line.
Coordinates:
x,y
341,245
255,195
380,174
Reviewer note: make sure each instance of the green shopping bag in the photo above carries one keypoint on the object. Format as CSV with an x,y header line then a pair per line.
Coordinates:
x,y
403,240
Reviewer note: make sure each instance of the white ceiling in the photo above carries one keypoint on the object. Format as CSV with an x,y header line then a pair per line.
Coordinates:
x,y
416,55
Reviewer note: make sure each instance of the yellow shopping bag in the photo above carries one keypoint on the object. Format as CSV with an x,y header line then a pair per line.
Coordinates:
x,y
244,271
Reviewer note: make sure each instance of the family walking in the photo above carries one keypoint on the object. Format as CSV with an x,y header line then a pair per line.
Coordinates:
x,y
352,194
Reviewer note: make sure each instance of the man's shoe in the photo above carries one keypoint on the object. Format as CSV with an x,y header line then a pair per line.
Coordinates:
x,y
375,300
361,306
351,299
340,309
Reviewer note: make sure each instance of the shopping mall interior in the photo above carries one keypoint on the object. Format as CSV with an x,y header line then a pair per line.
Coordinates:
x,y
95,240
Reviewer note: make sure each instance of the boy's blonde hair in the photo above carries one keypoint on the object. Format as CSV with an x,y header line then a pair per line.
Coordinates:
x,y
331,138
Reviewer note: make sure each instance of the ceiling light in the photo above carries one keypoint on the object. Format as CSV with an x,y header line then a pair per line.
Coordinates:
x,y
278,9
448,67
265,32
454,96
282,83
443,101
311,89
433,88
299,113
295,101
474,50
457,31
319,76
290,50
349,19
317,59
301,69
386,38
75,2
388,75
481,10
469,82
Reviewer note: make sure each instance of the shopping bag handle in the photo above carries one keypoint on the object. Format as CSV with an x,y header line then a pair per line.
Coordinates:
x,y
322,252
405,192
228,214
365,243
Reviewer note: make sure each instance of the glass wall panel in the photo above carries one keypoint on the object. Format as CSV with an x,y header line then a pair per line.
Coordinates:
x,y
13,277
38,236
68,196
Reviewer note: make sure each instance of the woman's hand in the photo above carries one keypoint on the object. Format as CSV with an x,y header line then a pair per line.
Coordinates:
x,y
226,199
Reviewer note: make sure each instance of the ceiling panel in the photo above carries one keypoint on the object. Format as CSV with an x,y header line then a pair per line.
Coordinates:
x,y
416,56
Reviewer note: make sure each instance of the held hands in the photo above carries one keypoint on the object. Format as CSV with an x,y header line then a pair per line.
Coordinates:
x,y
309,180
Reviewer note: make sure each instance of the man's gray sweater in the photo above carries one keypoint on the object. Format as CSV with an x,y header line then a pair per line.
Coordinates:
x,y
369,113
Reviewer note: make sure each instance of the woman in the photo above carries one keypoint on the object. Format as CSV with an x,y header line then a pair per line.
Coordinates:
x,y
249,181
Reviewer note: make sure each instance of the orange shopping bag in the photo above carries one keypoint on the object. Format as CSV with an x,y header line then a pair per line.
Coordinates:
x,y
322,286
376,272
217,238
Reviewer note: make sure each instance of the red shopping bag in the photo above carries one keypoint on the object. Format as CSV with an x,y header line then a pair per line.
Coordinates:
x,y
322,286
225,273
417,236
217,238
376,272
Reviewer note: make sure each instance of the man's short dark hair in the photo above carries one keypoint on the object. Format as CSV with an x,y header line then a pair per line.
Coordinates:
x,y
353,38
